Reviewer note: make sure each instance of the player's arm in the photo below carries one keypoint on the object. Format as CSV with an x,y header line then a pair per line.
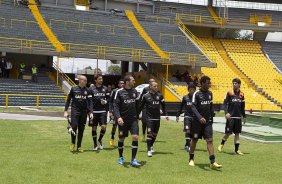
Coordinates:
x,y
90,104
163,107
142,104
225,105
111,100
116,105
211,108
69,97
195,102
180,109
243,109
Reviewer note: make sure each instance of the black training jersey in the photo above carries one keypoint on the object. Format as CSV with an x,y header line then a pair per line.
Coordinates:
x,y
186,104
152,103
111,100
202,105
144,91
81,100
99,94
234,104
126,104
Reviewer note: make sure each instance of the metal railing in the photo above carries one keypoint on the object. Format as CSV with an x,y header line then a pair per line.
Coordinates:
x,y
162,35
63,75
37,98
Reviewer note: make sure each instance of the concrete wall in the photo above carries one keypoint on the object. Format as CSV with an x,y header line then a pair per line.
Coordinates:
x,y
201,31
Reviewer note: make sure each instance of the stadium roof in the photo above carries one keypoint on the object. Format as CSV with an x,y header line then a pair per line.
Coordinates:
x,y
263,1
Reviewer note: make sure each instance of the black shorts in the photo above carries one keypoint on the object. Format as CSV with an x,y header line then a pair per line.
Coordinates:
x,y
187,124
199,130
99,118
131,126
78,119
233,126
153,126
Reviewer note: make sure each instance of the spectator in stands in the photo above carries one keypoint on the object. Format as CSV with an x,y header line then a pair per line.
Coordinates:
x,y
196,81
9,67
34,71
177,75
109,88
3,67
21,71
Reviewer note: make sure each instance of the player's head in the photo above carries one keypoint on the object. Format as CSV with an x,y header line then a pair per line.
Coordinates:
x,y
129,81
121,83
191,89
154,87
98,79
151,80
82,79
205,82
236,83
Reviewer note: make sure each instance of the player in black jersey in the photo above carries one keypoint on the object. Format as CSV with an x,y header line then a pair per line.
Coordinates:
x,y
125,110
100,102
143,119
111,111
234,108
81,105
152,102
202,107
186,104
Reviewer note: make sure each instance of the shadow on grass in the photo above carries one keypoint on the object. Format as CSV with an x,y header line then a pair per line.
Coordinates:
x,y
127,165
159,153
206,167
233,153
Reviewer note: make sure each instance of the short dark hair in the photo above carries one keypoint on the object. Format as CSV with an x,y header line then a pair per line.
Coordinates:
x,y
204,79
236,80
97,76
191,86
120,80
127,78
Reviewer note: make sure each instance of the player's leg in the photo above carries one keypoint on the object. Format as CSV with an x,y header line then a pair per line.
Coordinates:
x,y
208,135
187,126
113,132
74,128
228,131
149,137
192,150
103,124
134,130
122,134
81,126
237,131
94,131
155,130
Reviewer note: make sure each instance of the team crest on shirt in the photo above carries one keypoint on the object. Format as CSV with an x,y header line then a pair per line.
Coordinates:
x,y
157,98
85,92
103,90
210,97
134,95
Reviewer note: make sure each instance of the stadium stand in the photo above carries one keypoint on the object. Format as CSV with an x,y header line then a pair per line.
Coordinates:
x,y
221,77
24,87
273,50
248,56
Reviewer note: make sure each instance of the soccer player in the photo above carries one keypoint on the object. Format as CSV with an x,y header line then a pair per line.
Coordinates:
x,y
186,104
81,105
202,107
100,101
234,108
111,111
144,123
152,101
125,111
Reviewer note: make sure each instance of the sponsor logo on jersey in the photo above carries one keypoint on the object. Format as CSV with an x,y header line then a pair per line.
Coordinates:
x,y
80,97
128,101
99,94
236,100
189,103
205,102
156,102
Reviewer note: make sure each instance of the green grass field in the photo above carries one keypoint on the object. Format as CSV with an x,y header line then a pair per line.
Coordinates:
x,y
37,152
